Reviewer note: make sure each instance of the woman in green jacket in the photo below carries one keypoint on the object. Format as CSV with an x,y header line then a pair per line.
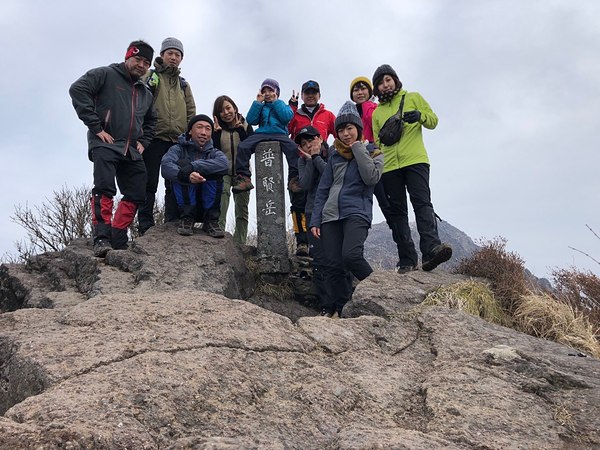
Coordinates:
x,y
406,168
230,129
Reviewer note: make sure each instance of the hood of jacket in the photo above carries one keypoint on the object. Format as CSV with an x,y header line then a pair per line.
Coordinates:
x,y
161,67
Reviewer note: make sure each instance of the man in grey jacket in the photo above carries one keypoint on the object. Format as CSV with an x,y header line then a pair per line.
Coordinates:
x,y
116,106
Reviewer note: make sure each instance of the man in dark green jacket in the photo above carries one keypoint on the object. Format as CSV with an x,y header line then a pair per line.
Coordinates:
x,y
174,107
116,106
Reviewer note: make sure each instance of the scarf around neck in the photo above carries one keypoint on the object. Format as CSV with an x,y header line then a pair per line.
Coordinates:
x,y
343,149
387,97
346,152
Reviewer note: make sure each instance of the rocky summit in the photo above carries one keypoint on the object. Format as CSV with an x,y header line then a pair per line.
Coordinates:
x,y
165,346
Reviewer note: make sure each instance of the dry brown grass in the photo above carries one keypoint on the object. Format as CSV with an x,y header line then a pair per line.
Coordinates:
x,y
473,297
283,291
505,270
543,316
570,315
581,290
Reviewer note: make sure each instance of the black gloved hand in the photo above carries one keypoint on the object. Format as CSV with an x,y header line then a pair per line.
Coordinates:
x,y
184,173
412,116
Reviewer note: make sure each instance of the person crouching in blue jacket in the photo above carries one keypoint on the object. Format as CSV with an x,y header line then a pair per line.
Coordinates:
x,y
195,168
343,208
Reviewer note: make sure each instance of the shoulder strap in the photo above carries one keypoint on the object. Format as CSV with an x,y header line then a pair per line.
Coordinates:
x,y
183,84
399,113
152,81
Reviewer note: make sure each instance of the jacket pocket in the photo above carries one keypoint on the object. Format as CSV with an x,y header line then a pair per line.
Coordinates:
x,y
106,121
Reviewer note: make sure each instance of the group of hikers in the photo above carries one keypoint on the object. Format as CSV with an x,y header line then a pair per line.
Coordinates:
x,y
142,122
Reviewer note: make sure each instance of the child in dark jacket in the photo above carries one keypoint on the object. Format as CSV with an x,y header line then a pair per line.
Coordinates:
x,y
195,168
311,164
343,208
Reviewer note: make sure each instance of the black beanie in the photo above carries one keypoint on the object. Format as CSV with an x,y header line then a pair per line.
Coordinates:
x,y
198,118
140,48
380,72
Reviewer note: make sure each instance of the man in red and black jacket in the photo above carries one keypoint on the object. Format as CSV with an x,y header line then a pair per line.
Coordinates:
x,y
116,106
311,113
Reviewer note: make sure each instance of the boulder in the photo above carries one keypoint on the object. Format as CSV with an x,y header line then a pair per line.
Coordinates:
x,y
152,360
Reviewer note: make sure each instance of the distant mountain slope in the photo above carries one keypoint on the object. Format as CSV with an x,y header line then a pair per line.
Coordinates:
x,y
380,249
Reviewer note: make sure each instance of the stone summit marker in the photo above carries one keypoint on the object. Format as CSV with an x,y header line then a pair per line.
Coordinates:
x,y
272,249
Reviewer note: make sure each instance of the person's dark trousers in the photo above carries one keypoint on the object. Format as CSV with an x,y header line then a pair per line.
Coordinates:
x,y
319,270
247,146
386,209
171,208
201,201
343,245
130,176
415,180
152,159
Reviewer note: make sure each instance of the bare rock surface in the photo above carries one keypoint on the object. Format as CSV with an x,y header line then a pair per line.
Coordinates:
x,y
159,261
388,293
148,359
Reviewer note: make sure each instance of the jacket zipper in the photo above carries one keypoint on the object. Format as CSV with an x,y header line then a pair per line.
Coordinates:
x,y
133,92
232,153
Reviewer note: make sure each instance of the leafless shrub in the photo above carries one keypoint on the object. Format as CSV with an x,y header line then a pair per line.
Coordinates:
x,y
581,290
505,270
60,219
50,227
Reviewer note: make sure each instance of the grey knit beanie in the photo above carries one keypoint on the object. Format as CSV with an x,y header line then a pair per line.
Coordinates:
x,y
171,42
380,72
349,114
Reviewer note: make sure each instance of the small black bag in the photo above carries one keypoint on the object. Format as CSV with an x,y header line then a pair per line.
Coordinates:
x,y
391,131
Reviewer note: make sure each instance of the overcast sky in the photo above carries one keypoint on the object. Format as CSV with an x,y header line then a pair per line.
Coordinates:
x,y
515,84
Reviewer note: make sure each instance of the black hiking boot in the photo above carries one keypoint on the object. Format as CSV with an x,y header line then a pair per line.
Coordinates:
x,y
213,229
186,227
404,269
440,254
101,248
241,183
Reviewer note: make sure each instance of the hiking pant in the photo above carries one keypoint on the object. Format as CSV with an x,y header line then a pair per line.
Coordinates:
x,y
289,148
385,207
130,177
299,220
415,180
152,158
319,269
343,246
199,201
247,146
241,201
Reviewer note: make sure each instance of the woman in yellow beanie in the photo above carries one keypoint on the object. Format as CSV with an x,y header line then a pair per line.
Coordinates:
x,y
361,93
